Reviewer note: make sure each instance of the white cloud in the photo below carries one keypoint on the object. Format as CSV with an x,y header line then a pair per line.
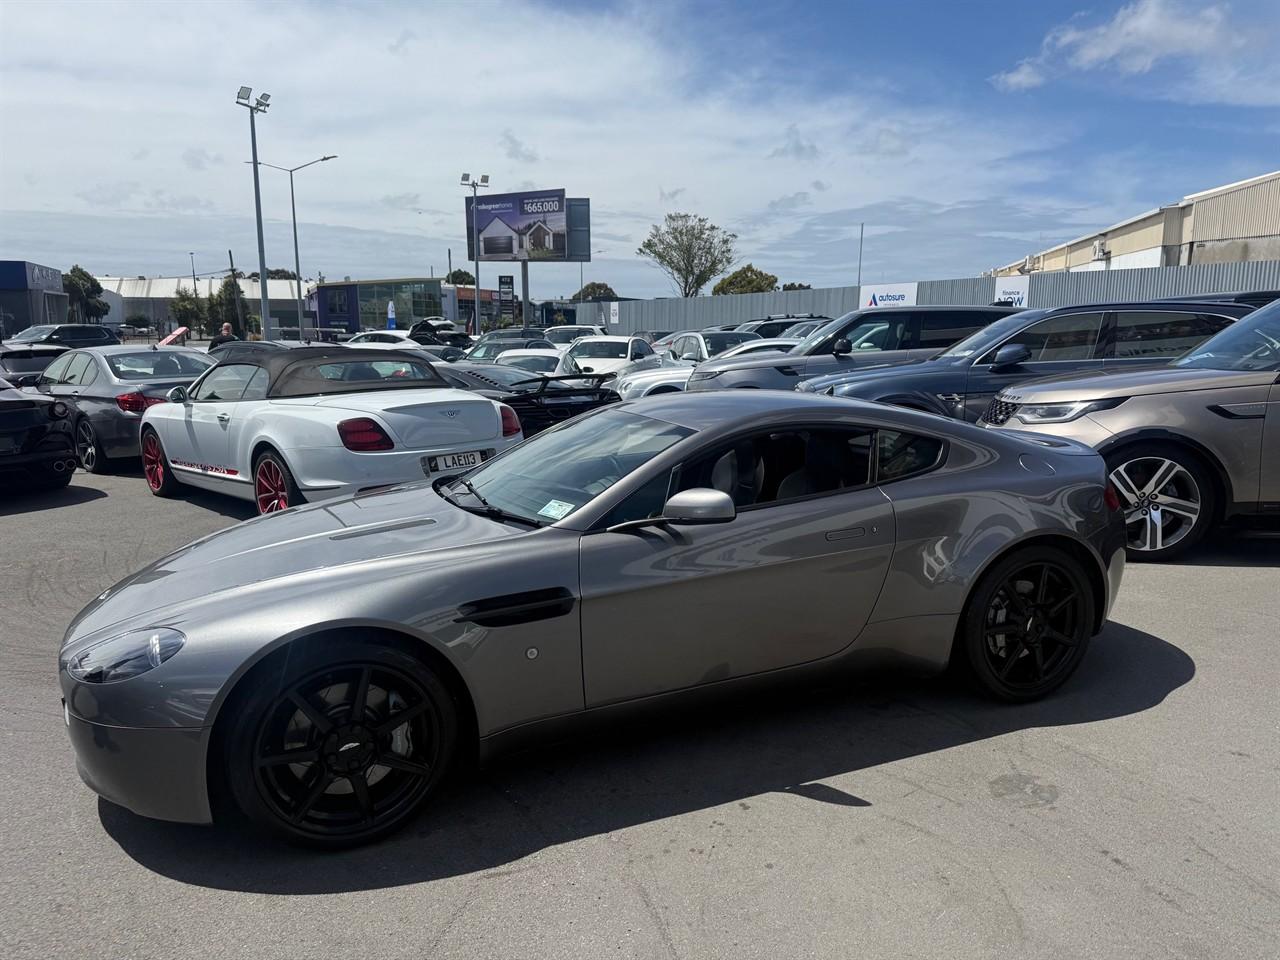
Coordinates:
x,y
795,147
517,150
1211,55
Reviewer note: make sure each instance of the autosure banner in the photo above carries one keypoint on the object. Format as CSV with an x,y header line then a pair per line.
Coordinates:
x,y
888,295
518,226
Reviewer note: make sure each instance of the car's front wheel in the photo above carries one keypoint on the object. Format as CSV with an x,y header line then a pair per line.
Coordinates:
x,y
343,747
1167,496
1028,624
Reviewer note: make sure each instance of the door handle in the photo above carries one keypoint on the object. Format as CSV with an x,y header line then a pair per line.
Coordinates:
x,y
224,417
849,533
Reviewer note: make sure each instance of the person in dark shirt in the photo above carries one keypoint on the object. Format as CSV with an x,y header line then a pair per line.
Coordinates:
x,y
226,336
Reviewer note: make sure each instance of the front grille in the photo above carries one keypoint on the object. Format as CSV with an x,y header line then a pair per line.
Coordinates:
x,y
999,411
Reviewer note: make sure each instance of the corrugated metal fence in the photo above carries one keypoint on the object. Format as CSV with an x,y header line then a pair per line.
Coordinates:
x,y
1046,289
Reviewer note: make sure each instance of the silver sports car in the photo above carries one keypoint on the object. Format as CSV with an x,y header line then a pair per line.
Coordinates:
x,y
320,670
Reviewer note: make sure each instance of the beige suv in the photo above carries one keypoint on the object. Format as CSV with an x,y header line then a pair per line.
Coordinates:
x,y
1187,445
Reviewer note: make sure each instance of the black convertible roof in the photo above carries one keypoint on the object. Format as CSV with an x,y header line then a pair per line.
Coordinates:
x,y
287,369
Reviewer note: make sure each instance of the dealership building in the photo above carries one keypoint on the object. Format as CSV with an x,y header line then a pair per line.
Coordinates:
x,y
30,294
1228,224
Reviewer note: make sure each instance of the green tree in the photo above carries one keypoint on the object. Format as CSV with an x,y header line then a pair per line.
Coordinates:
x,y
796,286
460,278
596,291
690,250
186,310
222,307
746,280
277,273
84,295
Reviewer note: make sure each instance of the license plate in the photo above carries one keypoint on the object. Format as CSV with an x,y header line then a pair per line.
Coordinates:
x,y
453,461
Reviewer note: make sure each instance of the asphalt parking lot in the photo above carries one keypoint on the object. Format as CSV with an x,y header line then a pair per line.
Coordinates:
x,y
1131,815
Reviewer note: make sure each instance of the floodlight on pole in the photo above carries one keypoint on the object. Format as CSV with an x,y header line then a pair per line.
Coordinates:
x,y
475,186
297,260
259,106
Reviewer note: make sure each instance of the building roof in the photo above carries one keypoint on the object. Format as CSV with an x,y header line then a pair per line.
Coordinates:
x,y
166,288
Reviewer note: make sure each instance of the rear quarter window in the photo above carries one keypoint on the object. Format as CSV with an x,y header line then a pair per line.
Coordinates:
x,y
900,455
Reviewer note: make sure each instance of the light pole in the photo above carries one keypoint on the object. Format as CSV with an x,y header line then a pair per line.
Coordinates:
x,y
581,282
259,105
297,261
475,186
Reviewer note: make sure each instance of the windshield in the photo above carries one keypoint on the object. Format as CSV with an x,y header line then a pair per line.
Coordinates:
x,y
979,342
31,333
26,362
821,340
1249,344
718,343
146,364
600,350
554,474
536,364
568,334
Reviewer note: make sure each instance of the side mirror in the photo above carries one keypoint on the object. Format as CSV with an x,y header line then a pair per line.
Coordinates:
x,y
842,347
690,355
699,505
1010,355
177,395
27,380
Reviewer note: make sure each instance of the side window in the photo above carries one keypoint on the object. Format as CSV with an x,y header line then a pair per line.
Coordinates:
x,y
901,455
89,373
940,329
225,383
256,388
54,371
642,349
679,347
1070,337
79,363
645,503
1157,333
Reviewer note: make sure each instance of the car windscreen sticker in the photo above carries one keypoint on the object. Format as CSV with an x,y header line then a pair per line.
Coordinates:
x,y
556,509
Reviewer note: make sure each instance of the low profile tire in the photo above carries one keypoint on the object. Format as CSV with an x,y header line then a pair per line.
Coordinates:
x,y
342,748
1168,497
155,466
273,486
88,449
1027,625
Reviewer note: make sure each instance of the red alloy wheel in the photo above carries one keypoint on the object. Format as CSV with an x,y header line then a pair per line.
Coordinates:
x,y
152,461
269,487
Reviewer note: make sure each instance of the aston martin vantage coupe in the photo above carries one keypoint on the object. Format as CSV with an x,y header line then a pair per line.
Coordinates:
x,y
320,670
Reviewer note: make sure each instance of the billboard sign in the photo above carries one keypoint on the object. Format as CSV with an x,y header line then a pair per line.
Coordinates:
x,y
888,295
507,297
518,226
1012,290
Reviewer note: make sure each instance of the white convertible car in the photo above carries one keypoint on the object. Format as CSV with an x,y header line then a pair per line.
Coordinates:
x,y
290,426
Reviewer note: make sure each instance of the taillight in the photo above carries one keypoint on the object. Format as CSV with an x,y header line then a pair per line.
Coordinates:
x,y
362,433
510,421
136,402
1111,498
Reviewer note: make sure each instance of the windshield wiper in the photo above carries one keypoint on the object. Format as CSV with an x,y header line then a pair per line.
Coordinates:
x,y
471,489
486,509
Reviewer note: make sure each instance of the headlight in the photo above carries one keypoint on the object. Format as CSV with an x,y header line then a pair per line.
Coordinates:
x,y
125,656
1063,412
704,375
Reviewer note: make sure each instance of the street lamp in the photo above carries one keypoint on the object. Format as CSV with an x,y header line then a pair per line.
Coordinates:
x,y
259,105
475,186
297,262
581,282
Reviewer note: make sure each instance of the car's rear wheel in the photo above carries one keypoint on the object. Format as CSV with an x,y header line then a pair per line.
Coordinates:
x,y
345,747
88,449
1168,499
155,466
273,486
1027,624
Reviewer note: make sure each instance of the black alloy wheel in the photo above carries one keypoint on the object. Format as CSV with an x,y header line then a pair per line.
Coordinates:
x,y
345,752
1028,624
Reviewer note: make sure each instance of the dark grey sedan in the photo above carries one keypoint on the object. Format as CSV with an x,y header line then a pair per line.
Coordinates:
x,y
110,387
328,665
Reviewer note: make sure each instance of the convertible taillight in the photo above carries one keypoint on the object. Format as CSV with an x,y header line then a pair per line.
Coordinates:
x,y
363,434
136,402
510,421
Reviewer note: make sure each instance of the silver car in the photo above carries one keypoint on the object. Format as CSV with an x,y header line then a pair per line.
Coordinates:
x,y
672,375
322,669
1187,444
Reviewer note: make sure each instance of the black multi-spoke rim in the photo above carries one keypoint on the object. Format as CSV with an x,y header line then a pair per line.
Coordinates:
x,y
88,449
1033,625
348,749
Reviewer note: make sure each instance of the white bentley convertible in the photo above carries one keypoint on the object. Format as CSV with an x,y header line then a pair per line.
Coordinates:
x,y
296,425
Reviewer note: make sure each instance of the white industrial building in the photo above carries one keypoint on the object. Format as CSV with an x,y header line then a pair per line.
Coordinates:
x,y
150,297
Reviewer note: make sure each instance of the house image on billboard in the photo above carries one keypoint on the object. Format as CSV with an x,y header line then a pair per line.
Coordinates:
x,y
536,239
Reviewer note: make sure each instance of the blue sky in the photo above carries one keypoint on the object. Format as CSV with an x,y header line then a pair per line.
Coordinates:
x,y
964,135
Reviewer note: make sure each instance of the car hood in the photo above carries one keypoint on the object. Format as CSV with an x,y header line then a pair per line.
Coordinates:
x,y
266,550
1132,383
768,360
601,364
655,375
877,373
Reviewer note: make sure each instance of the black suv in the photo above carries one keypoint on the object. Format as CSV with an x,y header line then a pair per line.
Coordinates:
x,y
1096,338
872,337
66,335
776,326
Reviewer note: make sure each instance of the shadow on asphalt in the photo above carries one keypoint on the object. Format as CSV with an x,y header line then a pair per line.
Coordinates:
x,y
17,500
232,507
679,764
1256,545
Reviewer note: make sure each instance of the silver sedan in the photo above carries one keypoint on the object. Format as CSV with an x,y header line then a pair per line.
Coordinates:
x,y
321,670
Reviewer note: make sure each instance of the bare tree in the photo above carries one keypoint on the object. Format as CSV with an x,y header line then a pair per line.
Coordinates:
x,y
689,249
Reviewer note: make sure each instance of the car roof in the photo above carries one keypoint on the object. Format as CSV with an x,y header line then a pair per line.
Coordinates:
x,y
703,410
602,338
109,349
530,352
1152,305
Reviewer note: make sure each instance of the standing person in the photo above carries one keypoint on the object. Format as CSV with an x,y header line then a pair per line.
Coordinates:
x,y
226,336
